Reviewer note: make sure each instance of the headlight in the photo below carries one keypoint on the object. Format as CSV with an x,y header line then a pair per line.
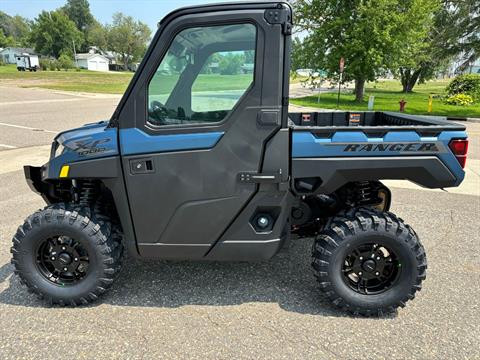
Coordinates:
x,y
59,150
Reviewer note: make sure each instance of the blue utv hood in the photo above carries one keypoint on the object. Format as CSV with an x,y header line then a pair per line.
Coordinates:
x,y
87,142
91,141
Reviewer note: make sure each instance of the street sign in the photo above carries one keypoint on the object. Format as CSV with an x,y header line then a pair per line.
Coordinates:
x,y
342,65
371,101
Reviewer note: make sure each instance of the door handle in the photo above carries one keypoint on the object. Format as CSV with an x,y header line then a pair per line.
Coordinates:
x,y
260,178
141,166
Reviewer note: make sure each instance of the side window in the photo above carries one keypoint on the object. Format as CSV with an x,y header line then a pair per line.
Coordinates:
x,y
223,80
203,75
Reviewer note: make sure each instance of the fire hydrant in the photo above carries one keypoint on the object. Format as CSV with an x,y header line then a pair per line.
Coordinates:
x,y
402,105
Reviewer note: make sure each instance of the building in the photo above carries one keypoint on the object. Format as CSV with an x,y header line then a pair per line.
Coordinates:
x,y
8,55
94,62
469,67
248,68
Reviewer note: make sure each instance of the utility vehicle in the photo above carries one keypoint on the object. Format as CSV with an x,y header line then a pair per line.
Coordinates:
x,y
201,160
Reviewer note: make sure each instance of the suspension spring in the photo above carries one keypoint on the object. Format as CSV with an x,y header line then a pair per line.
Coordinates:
x,y
364,192
87,193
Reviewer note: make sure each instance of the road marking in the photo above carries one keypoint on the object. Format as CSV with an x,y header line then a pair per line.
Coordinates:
x,y
26,102
8,146
29,128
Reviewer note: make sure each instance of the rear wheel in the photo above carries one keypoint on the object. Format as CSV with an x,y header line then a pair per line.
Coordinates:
x,y
67,255
369,262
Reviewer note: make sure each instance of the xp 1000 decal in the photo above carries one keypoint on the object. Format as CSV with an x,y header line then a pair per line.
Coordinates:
x,y
91,147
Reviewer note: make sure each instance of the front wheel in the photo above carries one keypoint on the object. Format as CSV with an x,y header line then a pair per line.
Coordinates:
x,y
67,255
369,262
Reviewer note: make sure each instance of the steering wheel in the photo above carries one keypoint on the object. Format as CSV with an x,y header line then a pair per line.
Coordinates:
x,y
158,112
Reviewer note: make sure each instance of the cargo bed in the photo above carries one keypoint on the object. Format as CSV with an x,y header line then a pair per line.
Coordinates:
x,y
369,121
330,149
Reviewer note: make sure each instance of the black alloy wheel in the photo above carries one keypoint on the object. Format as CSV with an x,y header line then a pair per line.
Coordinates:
x,y
62,260
371,269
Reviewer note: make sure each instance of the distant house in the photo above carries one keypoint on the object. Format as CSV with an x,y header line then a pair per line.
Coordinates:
x,y
111,56
95,62
214,67
469,67
9,54
248,68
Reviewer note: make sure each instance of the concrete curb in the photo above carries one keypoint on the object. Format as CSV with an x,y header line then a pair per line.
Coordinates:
x,y
475,120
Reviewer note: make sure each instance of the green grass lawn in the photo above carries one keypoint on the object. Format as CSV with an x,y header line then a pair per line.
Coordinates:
x,y
115,82
163,84
72,80
388,94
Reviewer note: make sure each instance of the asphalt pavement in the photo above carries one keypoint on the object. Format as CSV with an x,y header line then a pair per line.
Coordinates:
x,y
201,310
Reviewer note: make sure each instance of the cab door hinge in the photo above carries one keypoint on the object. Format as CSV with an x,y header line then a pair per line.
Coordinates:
x,y
281,15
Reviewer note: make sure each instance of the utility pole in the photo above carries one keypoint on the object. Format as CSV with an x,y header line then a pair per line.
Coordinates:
x,y
75,53
342,66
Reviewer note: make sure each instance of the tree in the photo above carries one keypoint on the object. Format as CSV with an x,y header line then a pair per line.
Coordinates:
x,y
454,30
368,34
97,36
417,59
53,33
6,41
16,28
297,59
231,64
79,12
128,38
457,28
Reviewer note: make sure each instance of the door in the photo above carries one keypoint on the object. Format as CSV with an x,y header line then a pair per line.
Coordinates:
x,y
199,114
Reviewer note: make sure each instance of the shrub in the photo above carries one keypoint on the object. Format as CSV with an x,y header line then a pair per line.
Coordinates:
x,y
65,62
1,61
52,65
45,64
459,99
468,84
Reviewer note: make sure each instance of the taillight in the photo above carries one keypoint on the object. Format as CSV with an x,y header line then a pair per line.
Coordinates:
x,y
459,148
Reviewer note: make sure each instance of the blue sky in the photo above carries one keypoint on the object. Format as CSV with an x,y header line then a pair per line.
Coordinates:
x,y
148,11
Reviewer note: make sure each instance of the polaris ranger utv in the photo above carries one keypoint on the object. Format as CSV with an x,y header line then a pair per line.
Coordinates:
x,y
202,161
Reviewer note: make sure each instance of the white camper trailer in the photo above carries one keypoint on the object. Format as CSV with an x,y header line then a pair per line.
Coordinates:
x,y
27,62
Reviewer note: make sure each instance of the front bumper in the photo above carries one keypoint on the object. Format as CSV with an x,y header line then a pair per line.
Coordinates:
x,y
33,176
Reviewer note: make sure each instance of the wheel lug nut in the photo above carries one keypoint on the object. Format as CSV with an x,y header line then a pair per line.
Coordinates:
x,y
377,273
378,257
361,257
53,258
65,269
360,273
76,259
63,248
